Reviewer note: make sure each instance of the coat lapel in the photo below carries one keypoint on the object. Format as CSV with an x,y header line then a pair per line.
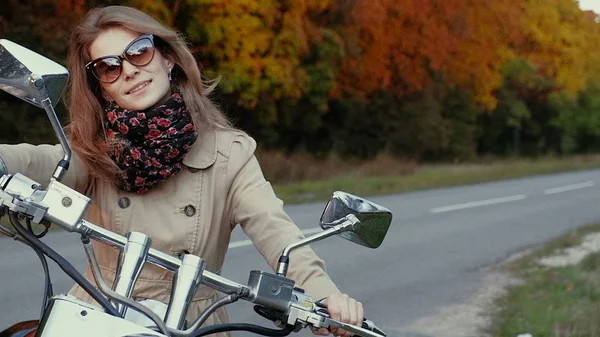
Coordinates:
x,y
203,152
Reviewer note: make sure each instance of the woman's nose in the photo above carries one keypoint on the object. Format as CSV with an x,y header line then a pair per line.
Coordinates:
x,y
129,70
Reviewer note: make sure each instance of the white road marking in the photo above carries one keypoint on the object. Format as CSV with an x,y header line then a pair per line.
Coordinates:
x,y
243,243
478,203
571,187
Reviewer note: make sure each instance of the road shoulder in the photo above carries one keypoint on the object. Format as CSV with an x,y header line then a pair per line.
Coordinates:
x,y
515,295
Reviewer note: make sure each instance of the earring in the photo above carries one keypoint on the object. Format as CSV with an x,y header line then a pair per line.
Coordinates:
x,y
170,78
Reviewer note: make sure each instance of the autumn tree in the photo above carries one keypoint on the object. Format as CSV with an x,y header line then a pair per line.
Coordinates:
x,y
541,101
554,42
423,79
399,43
276,64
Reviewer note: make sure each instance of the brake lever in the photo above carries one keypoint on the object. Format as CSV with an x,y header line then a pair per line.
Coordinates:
x,y
360,331
367,325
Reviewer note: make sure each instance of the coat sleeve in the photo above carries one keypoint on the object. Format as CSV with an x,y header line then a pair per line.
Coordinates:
x,y
254,205
38,162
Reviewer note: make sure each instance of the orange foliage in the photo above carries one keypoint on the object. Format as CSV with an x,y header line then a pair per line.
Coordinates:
x,y
402,41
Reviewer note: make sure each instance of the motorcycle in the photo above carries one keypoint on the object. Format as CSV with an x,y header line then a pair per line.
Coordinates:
x,y
41,82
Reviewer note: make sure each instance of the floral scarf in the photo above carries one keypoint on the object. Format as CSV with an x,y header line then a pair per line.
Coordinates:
x,y
151,143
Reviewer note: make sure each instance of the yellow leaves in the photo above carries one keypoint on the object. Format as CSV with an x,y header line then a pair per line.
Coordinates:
x,y
557,43
258,45
236,29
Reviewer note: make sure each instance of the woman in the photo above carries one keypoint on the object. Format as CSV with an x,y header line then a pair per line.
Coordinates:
x,y
156,156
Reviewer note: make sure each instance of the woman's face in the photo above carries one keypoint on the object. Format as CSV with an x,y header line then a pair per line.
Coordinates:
x,y
138,87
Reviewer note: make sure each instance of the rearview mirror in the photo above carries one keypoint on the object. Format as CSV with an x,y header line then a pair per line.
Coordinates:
x,y
39,81
354,218
374,219
30,76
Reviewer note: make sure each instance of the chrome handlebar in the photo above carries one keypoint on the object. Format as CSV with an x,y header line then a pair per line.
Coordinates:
x,y
66,207
162,260
61,205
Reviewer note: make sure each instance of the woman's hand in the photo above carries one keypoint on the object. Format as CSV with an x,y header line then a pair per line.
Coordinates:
x,y
345,309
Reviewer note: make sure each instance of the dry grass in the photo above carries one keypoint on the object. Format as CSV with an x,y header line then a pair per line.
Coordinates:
x,y
283,169
301,177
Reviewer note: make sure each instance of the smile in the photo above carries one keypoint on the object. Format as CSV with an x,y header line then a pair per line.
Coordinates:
x,y
139,87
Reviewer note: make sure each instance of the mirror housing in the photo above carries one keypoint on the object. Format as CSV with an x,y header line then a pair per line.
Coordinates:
x,y
374,219
354,218
30,76
38,81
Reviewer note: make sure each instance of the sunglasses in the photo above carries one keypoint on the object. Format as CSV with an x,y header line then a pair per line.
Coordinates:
x,y
139,52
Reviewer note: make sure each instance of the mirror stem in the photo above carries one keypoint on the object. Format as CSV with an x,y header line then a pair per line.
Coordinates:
x,y
346,223
63,165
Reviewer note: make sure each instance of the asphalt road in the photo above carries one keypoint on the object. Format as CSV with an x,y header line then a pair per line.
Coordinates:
x,y
432,256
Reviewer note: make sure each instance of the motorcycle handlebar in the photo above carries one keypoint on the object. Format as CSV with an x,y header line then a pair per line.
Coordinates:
x,y
224,285
23,195
164,260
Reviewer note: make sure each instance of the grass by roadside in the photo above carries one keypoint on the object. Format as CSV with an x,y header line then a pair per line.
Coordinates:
x,y
562,301
386,176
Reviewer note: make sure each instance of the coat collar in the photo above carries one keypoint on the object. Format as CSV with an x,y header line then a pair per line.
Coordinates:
x,y
203,152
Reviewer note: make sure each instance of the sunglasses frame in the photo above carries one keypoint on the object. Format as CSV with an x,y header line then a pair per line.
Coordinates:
x,y
123,57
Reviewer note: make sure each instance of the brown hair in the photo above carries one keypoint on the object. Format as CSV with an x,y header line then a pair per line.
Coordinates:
x,y
86,128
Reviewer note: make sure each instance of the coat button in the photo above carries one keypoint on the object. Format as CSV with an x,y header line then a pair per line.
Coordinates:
x,y
189,210
193,169
124,202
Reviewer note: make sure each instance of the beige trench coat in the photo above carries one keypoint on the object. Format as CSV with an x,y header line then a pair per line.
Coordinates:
x,y
194,211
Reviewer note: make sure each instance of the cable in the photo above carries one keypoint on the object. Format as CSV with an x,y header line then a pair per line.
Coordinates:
x,y
64,265
89,250
42,234
47,283
216,328
207,312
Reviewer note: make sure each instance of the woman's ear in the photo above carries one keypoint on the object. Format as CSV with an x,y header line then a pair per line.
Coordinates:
x,y
169,64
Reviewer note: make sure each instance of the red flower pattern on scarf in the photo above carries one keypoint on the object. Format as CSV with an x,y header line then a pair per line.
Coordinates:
x,y
153,142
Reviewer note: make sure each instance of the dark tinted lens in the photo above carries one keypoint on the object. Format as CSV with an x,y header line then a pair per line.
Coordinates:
x,y
141,52
108,69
